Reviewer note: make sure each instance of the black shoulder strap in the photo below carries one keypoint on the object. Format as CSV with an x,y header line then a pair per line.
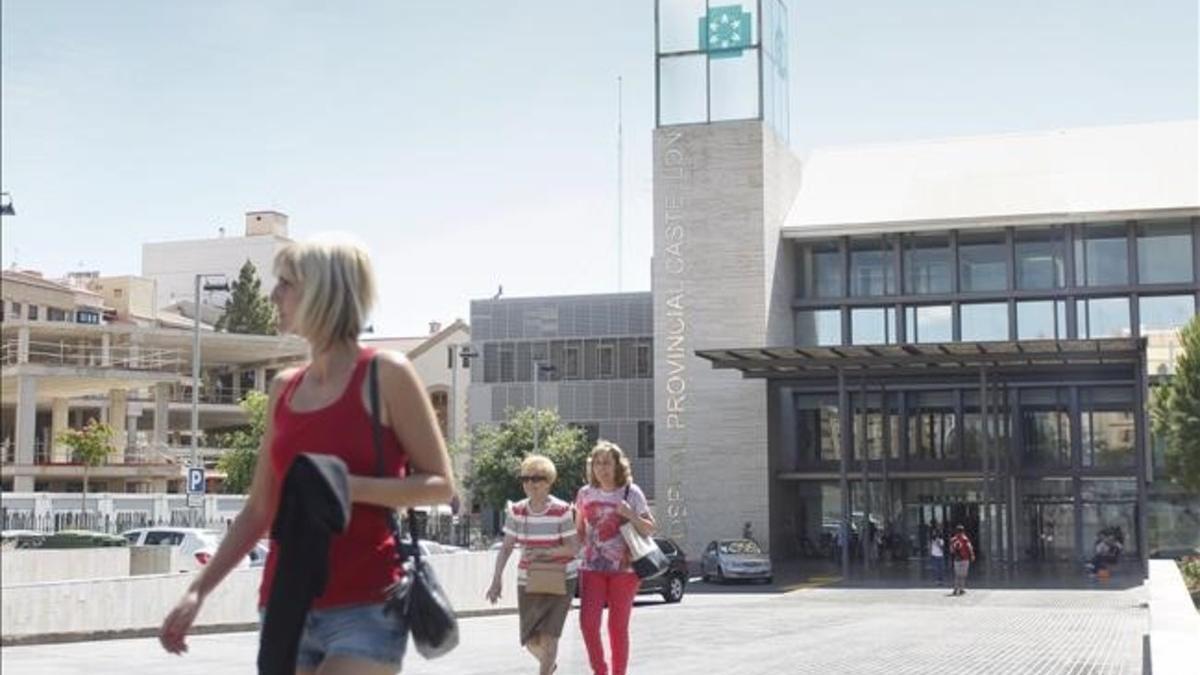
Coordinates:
x,y
377,433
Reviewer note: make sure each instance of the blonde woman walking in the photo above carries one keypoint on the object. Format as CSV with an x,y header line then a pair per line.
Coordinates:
x,y
544,526
324,293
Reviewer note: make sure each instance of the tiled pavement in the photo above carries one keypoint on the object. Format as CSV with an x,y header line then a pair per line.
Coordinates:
x,y
746,629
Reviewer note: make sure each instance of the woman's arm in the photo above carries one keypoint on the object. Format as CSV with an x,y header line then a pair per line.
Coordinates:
x,y
407,410
247,528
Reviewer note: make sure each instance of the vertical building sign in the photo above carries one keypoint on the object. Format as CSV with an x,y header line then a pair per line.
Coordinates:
x,y
671,295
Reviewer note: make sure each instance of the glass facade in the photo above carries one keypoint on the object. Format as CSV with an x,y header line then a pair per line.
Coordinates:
x,y
873,326
1040,258
1070,446
984,321
985,285
1041,320
928,266
1102,255
1103,317
820,328
982,261
872,267
1165,312
1164,252
708,61
929,323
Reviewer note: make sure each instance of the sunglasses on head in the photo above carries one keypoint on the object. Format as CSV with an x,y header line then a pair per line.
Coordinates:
x,y
533,479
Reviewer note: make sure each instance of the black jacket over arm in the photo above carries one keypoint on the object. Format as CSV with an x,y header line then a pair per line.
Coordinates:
x,y
314,504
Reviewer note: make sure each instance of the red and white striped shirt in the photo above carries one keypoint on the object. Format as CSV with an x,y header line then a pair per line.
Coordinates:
x,y
551,527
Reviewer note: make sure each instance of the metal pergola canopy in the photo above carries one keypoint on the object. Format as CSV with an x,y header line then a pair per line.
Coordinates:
x,y
931,358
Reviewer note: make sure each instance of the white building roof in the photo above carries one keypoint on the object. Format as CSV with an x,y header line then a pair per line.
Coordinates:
x,y
1072,175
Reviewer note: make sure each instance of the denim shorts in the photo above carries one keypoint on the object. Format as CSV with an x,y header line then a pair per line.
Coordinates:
x,y
357,631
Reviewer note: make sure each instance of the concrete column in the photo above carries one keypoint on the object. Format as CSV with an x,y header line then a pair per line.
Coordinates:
x,y
26,433
118,411
105,351
162,394
260,379
23,345
237,385
58,424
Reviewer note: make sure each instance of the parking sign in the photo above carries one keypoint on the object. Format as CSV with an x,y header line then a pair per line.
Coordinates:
x,y
195,481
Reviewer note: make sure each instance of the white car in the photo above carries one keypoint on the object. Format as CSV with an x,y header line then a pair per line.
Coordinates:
x,y
196,546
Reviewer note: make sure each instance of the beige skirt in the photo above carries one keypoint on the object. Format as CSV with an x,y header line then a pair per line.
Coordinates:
x,y
543,613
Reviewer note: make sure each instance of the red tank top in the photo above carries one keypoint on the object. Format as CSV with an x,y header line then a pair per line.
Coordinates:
x,y
361,559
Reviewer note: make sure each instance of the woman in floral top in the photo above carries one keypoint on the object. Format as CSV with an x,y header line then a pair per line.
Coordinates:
x,y
608,500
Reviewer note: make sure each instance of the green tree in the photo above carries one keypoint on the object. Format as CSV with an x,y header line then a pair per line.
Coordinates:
x,y
498,451
90,445
1175,411
239,460
247,310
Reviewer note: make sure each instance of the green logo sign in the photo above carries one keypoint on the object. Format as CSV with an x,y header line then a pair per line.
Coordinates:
x,y
725,31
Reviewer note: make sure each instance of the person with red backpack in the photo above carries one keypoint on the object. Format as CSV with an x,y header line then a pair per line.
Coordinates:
x,y
963,555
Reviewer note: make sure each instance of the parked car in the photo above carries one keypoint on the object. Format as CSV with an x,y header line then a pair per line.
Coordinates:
x,y
196,546
21,539
728,559
81,539
672,583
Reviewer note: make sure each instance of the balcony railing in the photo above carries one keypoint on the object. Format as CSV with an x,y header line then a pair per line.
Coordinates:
x,y
137,454
65,353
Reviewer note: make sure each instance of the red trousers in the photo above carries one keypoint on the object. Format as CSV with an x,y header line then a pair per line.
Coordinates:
x,y
618,590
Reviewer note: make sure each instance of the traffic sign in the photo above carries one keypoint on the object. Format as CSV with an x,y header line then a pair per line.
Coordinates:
x,y
195,481
195,501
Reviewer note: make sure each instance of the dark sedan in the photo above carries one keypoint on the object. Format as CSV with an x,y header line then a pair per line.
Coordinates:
x,y
673,582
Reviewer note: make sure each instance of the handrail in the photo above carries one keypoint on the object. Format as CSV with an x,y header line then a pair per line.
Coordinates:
x,y
126,357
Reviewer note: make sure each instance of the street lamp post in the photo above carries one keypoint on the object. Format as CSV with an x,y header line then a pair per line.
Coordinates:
x,y
222,286
456,351
538,367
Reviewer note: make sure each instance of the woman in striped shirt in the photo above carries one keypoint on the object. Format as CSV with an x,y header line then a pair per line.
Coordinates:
x,y
544,526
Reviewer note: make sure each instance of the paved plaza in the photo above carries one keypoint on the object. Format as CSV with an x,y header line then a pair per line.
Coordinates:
x,y
745,629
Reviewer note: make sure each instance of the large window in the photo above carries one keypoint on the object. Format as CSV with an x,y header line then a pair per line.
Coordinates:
x,y
1164,252
821,270
927,264
1103,317
818,434
982,261
932,426
872,267
929,323
984,321
1046,427
1041,258
1041,320
1108,438
820,328
873,326
1165,312
1102,255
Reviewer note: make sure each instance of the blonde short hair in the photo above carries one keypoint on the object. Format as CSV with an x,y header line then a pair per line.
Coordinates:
x,y
622,473
336,284
540,464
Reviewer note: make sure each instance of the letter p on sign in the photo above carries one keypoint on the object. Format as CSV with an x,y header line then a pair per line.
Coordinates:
x,y
195,481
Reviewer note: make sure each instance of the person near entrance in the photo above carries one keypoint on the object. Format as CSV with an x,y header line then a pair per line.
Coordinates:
x,y
963,554
937,555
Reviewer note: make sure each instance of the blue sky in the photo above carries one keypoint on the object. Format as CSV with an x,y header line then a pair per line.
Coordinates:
x,y
473,144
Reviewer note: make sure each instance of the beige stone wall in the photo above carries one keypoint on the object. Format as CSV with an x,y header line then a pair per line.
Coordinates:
x,y
708,278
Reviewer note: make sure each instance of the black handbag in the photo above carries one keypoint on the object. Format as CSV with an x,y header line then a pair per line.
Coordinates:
x,y
417,600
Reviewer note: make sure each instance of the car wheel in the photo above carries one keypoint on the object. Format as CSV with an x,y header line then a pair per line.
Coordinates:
x,y
673,590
